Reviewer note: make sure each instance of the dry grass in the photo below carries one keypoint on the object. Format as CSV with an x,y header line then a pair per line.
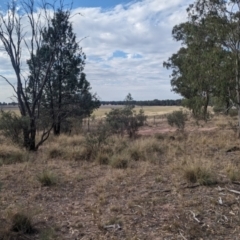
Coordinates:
x,y
171,185
148,110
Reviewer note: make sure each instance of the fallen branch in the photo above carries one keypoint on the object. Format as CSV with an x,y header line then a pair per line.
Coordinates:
x,y
194,216
114,226
233,191
236,182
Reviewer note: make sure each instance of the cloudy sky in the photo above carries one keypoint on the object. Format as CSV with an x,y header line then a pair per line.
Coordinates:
x,y
126,43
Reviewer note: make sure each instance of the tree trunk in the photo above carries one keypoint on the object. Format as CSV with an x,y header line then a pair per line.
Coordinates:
x,y
238,94
57,128
205,107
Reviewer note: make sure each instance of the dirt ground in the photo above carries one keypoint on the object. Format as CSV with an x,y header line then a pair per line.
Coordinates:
x,y
145,201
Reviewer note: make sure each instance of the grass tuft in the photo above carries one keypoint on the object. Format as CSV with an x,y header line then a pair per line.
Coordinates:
x,y
196,173
12,154
21,222
47,178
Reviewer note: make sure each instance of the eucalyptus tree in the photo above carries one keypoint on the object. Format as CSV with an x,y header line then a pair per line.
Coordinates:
x,y
203,67
225,26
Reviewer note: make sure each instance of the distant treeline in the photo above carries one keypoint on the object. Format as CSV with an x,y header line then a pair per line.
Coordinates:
x,y
8,104
154,102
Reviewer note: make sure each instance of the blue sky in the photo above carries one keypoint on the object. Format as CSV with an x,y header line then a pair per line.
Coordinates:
x,y
125,43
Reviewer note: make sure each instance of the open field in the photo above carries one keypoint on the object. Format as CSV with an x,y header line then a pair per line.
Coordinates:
x,y
149,110
165,184
99,113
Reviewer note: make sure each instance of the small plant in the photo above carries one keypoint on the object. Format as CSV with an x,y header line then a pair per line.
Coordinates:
x,y
119,161
233,112
55,152
178,119
199,174
233,173
47,178
21,222
47,234
102,158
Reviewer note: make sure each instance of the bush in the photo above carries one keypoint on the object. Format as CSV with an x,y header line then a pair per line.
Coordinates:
x,y
121,120
178,119
95,140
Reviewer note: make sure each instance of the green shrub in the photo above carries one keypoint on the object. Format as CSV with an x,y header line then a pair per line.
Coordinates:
x,y
125,120
178,119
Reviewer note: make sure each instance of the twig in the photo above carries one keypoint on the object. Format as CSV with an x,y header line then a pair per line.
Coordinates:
x,y
194,216
233,191
114,226
182,236
236,182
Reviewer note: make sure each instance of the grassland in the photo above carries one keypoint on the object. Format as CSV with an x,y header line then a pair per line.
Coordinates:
x,y
162,185
149,110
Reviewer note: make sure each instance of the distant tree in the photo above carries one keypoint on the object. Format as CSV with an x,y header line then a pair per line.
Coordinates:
x,y
121,120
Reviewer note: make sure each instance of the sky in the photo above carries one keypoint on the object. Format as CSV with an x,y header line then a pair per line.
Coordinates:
x,y
126,43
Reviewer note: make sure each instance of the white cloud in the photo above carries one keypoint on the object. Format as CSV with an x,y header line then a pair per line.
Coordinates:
x,y
141,30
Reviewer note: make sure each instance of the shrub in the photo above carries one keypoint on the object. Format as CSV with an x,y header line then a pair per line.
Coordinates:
x,y
47,178
178,119
95,140
125,120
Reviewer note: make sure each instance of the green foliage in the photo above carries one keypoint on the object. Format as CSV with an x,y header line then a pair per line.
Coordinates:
x,y
12,126
205,66
67,92
121,120
178,119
